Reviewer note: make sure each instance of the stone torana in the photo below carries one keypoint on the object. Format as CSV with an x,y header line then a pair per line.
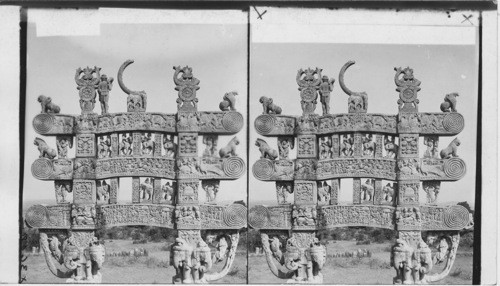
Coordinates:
x,y
380,153
159,151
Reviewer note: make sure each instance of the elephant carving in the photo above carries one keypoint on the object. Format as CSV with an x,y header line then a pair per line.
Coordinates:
x,y
422,262
180,257
202,262
318,259
401,261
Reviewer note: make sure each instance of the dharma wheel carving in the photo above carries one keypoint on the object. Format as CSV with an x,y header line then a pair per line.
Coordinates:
x,y
367,148
159,151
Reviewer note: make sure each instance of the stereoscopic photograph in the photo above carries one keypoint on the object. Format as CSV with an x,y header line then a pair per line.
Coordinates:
x,y
135,165
257,146
364,148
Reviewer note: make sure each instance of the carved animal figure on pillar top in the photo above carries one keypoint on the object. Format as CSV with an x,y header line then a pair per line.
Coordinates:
x,y
230,149
44,149
309,81
358,101
268,106
265,150
187,85
451,150
136,100
47,105
228,101
450,103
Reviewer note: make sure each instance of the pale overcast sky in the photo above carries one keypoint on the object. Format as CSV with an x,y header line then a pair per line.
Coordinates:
x,y
217,53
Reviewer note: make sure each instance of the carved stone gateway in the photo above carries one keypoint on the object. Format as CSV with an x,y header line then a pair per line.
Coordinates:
x,y
368,148
160,153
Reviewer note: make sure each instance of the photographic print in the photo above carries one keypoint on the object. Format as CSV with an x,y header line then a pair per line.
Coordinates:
x,y
363,146
135,156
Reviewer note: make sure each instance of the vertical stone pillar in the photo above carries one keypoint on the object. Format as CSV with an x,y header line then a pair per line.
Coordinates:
x,y
378,194
136,144
335,145
379,145
158,145
356,191
157,192
114,189
334,195
358,145
114,145
136,192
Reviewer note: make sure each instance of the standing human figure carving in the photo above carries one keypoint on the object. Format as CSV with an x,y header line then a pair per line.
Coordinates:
x,y
104,87
325,88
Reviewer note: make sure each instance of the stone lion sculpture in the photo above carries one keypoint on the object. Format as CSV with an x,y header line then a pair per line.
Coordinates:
x,y
265,150
451,150
269,106
450,103
47,105
230,149
228,101
44,149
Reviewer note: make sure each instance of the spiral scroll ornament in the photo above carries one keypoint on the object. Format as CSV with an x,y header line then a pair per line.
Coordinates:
x,y
43,122
232,121
235,216
454,168
456,217
234,167
37,216
42,168
453,122
258,217
263,169
265,123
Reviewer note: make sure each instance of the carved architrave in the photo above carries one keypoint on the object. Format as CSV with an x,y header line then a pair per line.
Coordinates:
x,y
306,146
136,121
86,123
358,122
53,124
143,214
408,145
272,124
49,217
307,124
124,167
188,144
357,168
356,215
85,145
187,192
84,191
408,122
408,193
305,192
305,169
